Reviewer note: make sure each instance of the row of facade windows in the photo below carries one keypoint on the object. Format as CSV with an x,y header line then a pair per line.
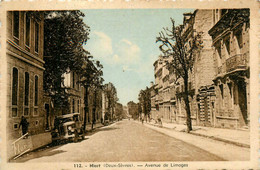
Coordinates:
x,y
230,93
27,26
237,38
26,93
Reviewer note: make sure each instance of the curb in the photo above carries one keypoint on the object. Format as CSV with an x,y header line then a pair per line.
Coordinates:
x,y
206,136
223,140
100,126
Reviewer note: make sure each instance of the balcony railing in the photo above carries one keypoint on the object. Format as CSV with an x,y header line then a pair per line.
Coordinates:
x,y
238,61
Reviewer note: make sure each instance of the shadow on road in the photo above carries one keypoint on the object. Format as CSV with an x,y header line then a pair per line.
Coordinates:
x,y
53,148
102,129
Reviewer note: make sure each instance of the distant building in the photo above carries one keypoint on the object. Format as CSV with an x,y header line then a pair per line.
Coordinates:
x,y
154,109
76,94
133,109
160,72
95,105
119,111
230,36
77,98
125,109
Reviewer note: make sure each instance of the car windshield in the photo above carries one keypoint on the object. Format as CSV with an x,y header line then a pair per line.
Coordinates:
x,y
76,118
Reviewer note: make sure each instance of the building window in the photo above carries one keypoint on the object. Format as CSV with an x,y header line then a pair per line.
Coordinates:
x,y
15,92
227,44
217,15
221,94
16,21
230,87
218,53
235,94
73,80
36,91
27,29
15,126
36,37
78,86
73,106
239,40
26,94
78,106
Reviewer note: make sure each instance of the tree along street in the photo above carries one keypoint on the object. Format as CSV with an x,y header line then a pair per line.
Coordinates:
x,y
123,141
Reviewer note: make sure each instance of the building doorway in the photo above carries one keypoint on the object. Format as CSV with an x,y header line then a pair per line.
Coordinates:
x,y
47,112
206,111
212,114
242,102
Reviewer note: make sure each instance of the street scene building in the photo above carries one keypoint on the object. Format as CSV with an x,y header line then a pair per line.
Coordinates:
x,y
26,95
219,80
72,97
25,72
231,58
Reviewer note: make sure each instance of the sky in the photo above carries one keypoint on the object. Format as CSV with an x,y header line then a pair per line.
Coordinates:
x,y
123,40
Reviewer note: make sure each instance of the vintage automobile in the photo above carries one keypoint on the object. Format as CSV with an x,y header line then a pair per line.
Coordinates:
x,y
68,127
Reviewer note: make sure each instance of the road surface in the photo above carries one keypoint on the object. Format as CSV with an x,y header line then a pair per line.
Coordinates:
x,y
124,141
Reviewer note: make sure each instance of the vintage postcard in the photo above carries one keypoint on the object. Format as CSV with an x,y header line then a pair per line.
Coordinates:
x,y
129,84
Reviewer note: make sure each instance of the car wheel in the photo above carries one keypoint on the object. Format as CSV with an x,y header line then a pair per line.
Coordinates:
x,y
83,136
75,139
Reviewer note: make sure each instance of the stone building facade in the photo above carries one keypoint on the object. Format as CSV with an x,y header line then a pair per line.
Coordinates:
x,y
77,95
170,91
219,81
200,88
76,92
157,107
24,56
230,35
25,71
95,106
204,71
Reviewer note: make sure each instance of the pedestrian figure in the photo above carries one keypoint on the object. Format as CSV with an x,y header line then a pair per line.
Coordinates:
x,y
56,123
160,122
24,125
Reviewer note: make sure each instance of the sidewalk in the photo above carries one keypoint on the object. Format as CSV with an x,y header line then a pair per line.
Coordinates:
x,y
98,125
236,137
